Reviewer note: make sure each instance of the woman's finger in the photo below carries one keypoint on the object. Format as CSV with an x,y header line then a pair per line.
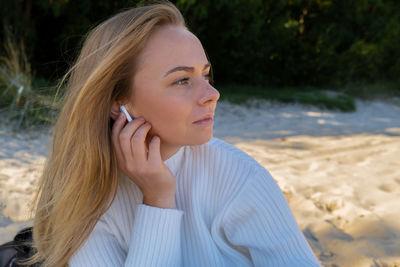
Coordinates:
x,y
139,143
125,138
154,151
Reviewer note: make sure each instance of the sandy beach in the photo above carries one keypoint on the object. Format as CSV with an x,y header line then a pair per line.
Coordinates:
x,y
340,173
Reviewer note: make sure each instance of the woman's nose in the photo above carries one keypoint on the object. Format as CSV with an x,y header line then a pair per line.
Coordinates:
x,y
210,94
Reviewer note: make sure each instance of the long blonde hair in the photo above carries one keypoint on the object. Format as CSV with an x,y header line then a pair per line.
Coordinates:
x,y
80,177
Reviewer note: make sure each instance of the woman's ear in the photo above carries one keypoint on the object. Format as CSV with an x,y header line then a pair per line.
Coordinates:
x,y
115,110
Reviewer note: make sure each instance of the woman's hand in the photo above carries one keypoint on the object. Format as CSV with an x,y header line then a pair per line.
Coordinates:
x,y
146,169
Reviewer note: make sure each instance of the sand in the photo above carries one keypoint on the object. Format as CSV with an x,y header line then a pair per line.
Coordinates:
x,y
339,172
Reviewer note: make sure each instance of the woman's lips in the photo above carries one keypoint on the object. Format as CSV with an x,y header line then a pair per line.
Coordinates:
x,y
206,122
206,117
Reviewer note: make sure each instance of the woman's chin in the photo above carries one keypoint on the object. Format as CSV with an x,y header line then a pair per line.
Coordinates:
x,y
202,139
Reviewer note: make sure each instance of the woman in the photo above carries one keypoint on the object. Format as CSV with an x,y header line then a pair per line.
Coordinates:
x,y
159,190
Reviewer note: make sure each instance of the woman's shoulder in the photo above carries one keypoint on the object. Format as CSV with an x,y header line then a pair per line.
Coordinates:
x,y
226,168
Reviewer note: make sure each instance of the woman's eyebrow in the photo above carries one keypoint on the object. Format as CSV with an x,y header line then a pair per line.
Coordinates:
x,y
185,68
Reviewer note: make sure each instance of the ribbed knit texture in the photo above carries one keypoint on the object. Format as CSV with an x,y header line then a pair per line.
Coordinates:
x,y
229,212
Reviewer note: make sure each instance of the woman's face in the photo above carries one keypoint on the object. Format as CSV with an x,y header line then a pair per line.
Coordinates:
x,y
171,88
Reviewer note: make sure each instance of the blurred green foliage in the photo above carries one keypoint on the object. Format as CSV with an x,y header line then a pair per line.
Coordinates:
x,y
24,101
306,95
295,42
250,42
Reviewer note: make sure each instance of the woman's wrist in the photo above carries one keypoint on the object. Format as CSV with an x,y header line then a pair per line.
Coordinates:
x,y
165,203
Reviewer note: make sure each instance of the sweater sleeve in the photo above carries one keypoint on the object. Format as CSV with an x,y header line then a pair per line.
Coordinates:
x,y
260,222
155,241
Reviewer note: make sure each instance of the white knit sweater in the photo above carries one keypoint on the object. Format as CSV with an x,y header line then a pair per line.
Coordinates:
x,y
229,212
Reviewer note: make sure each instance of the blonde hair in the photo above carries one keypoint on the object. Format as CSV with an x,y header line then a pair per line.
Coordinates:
x,y
80,177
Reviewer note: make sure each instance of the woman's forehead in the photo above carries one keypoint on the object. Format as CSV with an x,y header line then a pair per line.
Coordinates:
x,y
169,46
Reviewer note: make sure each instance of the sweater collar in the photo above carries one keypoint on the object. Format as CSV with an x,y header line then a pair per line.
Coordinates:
x,y
175,161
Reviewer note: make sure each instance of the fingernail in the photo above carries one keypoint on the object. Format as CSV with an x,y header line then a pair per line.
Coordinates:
x,y
121,115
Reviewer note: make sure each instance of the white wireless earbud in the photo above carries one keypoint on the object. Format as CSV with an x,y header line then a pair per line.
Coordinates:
x,y
123,109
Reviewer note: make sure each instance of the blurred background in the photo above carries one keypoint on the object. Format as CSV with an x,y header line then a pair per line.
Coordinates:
x,y
286,50
309,88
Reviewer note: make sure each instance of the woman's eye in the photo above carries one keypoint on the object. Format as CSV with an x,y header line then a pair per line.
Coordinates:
x,y
208,76
186,80
182,81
